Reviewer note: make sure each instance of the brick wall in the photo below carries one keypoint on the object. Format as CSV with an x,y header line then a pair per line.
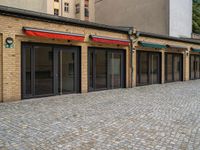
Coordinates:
x,y
11,68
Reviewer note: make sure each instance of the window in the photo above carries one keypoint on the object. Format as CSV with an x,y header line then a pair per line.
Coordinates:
x,y
56,0
66,7
86,10
77,8
56,12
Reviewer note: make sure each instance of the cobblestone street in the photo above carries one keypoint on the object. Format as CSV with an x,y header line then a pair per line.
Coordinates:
x,y
151,117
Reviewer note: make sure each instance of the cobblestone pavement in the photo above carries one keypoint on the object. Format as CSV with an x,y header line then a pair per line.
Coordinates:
x,y
151,117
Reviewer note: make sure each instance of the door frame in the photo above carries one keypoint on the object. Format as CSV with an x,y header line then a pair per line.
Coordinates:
x,y
107,50
57,51
181,66
31,45
138,67
195,56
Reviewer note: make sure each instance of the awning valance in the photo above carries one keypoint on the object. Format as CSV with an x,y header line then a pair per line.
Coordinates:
x,y
176,47
53,34
109,40
152,45
195,50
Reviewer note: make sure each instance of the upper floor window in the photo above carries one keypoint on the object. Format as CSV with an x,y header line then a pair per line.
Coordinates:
x,y
56,12
77,8
66,7
86,10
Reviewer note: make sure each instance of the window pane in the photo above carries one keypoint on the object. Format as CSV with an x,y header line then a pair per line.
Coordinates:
x,y
192,65
143,68
197,67
169,67
68,72
91,70
28,71
114,67
154,76
177,67
43,70
101,69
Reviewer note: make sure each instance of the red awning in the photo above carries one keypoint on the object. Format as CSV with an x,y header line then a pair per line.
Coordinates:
x,y
53,34
108,40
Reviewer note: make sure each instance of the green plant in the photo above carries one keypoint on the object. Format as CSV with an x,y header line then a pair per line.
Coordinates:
x,y
196,16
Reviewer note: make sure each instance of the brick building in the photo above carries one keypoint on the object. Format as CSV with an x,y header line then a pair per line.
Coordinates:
x,y
45,55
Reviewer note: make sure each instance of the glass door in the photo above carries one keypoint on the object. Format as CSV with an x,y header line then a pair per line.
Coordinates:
x,y
197,74
173,67
67,71
194,67
148,68
154,66
177,67
37,71
106,69
49,70
115,70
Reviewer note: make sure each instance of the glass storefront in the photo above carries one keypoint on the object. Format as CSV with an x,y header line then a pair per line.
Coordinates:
x,y
148,68
173,67
49,70
194,67
106,69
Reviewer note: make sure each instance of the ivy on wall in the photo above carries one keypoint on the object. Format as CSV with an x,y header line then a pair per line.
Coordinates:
x,y
196,16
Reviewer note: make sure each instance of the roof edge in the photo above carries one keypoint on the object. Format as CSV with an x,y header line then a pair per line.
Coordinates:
x,y
166,37
32,15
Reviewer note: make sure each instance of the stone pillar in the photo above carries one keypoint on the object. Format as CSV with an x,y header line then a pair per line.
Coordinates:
x,y
84,68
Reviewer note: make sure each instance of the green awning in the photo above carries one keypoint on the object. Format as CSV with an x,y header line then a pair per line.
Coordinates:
x,y
152,45
195,50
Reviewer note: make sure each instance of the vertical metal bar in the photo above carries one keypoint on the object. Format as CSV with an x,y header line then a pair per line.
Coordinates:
x,y
33,70
61,63
172,67
23,72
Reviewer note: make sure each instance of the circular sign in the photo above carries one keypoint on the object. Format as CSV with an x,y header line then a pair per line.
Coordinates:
x,y
9,40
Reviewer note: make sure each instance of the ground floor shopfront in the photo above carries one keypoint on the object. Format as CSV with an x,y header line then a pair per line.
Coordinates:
x,y
51,69
158,66
160,59
42,56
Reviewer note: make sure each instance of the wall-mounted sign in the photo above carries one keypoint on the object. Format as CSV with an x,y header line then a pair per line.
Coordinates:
x,y
9,42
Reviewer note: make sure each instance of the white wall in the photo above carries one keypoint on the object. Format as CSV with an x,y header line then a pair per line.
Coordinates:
x,y
180,18
34,5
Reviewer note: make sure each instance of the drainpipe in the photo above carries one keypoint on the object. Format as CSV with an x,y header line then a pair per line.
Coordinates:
x,y
130,36
132,41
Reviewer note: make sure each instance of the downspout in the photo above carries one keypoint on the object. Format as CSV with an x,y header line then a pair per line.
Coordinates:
x,y
130,36
132,41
